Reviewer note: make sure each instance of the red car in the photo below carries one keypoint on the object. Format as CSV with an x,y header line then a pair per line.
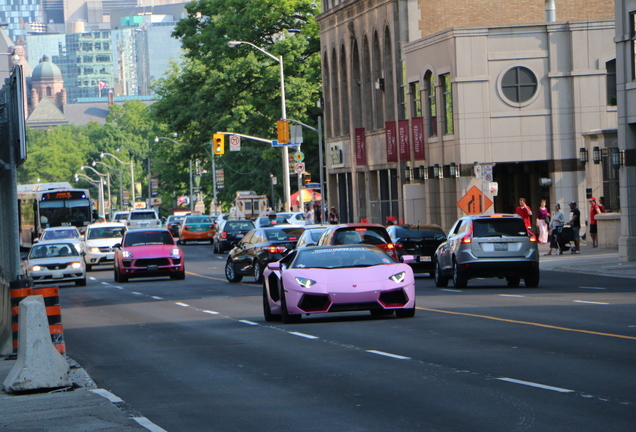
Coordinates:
x,y
148,253
359,233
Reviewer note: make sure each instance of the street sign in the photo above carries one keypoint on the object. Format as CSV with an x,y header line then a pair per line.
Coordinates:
x,y
299,167
312,186
276,143
494,188
296,133
471,202
299,156
478,171
235,143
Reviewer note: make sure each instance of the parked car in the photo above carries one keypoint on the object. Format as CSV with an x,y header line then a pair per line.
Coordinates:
x,y
496,245
99,243
421,241
258,248
267,221
68,233
310,236
53,262
359,233
173,224
148,253
196,227
230,233
337,279
143,219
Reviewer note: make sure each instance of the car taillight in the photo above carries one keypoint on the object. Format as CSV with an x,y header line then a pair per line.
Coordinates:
x,y
223,235
532,236
276,249
399,246
468,238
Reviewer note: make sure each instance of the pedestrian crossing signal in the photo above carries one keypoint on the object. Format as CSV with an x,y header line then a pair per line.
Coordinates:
x,y
218,144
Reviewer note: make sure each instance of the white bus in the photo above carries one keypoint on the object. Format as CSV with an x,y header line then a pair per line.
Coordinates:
x,y
45,205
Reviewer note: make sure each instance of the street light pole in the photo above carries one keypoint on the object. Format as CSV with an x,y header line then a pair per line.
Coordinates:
x,y
279,59
132,176
101,210
121,188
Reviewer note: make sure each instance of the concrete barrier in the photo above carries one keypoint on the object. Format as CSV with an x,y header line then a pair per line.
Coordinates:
x,y
39,364
609,230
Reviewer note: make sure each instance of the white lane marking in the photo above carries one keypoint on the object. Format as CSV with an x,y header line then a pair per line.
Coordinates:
x,y
108,395
532,384
510,295
386,354
450,290
304,335
592,288
115,286
156,298
182,304
143,421
136,293
210,312
590,302
248,322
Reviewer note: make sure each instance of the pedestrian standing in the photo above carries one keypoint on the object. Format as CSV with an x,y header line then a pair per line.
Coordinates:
x,y
525,212
333,216
594,210
575,224
309,215
556,225
543,215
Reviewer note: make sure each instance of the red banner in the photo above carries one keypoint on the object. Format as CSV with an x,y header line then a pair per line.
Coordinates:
x,y
361,147
403,133
417,127
391,141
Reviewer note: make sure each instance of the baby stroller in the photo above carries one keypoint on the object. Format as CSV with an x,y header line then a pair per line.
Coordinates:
x,y
564,239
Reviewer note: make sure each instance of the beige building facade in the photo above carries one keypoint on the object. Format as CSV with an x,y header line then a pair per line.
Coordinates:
x,y
417,92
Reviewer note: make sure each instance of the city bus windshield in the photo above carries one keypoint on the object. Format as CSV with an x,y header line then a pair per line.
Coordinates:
x,y
76,212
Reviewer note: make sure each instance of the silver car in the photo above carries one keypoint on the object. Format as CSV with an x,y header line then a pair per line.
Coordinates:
x,y
54,262
480,246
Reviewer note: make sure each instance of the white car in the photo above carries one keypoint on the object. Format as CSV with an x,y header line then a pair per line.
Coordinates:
x,y
67,233
294,218
143,219
52,262
99,241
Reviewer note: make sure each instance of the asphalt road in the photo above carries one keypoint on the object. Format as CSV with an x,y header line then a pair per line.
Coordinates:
x,y
197,355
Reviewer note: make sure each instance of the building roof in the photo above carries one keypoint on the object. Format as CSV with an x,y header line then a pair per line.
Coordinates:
x,y
47,71
46,114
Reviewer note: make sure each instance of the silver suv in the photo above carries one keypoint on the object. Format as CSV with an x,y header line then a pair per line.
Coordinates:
x,y
496,245
143,219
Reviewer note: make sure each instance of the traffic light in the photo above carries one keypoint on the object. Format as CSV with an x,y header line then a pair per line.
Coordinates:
x,y
307,177
218,144
282,127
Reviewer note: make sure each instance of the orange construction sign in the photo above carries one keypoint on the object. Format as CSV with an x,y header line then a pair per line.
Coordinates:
x,y
471,202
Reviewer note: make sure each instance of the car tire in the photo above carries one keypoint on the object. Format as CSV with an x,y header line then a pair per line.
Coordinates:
x,y
532,280
513,281
286,317
258,272
441,281
267,310
81,282
89,267
459,281
179,275
405,313
116,274
230,273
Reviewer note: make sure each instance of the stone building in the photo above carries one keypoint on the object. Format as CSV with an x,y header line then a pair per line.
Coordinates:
x,y
417,92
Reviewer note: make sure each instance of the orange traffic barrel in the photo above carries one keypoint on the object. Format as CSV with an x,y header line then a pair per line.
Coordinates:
x,y
20,288
54,315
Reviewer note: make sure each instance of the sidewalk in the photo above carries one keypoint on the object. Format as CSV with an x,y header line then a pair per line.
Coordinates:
x,y
86,408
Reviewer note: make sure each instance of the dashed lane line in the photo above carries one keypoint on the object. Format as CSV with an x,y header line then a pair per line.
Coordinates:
x,y
536,385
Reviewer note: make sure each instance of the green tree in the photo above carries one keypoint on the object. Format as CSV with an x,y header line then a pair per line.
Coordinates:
x,y
218,88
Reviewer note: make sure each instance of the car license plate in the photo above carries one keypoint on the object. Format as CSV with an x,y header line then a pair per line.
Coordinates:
x,y
239,236
57,274
424,259
501,246
152,268
110,257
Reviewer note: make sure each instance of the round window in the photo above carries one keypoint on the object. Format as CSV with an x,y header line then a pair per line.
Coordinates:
x,y
519,84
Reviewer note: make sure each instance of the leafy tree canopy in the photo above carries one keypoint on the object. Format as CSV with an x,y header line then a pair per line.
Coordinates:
x,y
219,88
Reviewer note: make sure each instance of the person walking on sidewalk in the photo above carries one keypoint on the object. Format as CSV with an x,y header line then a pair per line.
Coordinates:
x,y
556,226
575,224
525,212
594,210
543,215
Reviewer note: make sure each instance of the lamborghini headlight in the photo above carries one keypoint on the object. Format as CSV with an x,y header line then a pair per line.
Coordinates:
x,y
398,277
305,283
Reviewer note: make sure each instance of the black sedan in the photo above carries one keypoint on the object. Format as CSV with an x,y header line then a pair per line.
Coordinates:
x,y
420,241
230,233
258,248
173,224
